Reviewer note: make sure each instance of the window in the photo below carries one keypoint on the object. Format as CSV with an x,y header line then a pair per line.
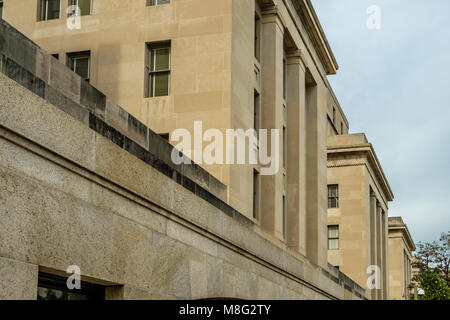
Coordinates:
x,y
284,217
80,62
158,70
284,78
256,113
257,37
48,9
84,5
342,128
284,148
157,2
1,9
165,136
51,287
334,115
56,56
333,196
333,237
255,194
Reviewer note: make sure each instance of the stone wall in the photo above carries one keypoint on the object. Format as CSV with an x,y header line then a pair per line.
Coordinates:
x,y
83,183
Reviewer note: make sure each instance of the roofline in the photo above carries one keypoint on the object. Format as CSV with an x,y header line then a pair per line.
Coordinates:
x,y
368,149
323,37
309,18
310,21
405,231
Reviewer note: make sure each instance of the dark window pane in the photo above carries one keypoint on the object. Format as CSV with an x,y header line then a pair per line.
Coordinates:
x,y
80,63
53,7
84,5
52,287
161,84
160,59
82,67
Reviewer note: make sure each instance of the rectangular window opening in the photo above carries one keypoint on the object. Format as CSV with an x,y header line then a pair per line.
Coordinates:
x,y
49,10
158,59
257,37
53,287
333,196
284,217
333,237
256,191
157,2
84,7
80,63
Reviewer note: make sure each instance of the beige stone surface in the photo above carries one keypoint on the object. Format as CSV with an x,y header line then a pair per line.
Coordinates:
x,y
364,194
401,247
18,280
122,229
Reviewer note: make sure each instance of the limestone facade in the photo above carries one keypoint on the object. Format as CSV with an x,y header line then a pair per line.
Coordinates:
x,y
84,182
401,247
359,194
228,58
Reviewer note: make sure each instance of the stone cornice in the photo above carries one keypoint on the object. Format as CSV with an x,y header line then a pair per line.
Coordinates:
x,y
360,145
315,32
313,27
397,224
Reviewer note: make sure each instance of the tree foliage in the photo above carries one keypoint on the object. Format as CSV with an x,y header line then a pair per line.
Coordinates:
x,y
433,261
434,286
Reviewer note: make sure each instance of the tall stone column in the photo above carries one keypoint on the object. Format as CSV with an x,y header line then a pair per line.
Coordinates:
x,y
296,164
373,237
272,54
379,248
385,255
315,250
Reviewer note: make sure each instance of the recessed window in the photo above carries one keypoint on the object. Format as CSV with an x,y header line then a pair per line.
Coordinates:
x,y
284,216
49,9
334,115
157,2
257,37
80,62
255,194
165,136
333,237
284,78
56,56
158,70
256,113
284,148
1,9
333,196
85,7
52,287
342,128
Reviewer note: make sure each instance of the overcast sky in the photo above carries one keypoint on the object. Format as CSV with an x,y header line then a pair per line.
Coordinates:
x,y
393,84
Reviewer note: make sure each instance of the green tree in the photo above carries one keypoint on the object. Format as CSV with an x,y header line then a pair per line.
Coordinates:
x,y
434,256
434,286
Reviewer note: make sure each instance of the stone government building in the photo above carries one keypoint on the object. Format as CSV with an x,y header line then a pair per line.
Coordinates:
x,y
90,183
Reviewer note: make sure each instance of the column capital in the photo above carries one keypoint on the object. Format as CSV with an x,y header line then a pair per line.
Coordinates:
x,y
271,14
296,57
